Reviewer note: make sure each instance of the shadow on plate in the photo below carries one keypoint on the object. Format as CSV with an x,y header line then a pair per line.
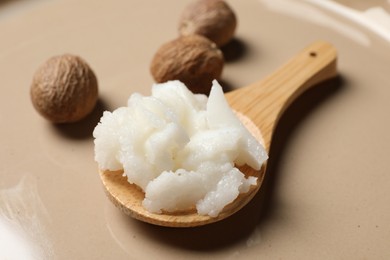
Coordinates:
x,y
239,227
234,50
84,128
3,2
290,121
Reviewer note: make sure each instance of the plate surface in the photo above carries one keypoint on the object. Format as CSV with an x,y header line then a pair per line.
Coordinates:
x,y
326,194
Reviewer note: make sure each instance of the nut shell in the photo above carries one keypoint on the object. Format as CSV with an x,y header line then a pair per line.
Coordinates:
x,y
213,19
64,89
192,59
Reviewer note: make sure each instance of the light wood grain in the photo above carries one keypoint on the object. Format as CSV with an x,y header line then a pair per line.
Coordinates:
x,y
259,106
263,102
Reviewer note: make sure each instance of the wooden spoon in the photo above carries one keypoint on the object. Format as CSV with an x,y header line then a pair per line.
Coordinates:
x,y
259,107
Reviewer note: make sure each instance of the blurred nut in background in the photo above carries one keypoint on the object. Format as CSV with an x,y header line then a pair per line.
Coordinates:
x,y
213,19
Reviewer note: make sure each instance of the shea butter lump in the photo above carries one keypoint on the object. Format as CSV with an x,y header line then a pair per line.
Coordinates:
x,y
180,148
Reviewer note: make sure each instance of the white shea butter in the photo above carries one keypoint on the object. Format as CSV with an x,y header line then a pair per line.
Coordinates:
x,y
180,148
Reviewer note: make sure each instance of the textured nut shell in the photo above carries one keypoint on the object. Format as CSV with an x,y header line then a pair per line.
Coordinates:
x,y
64,89
213,19
192,59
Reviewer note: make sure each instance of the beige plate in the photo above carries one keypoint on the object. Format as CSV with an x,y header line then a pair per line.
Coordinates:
x,y
326,193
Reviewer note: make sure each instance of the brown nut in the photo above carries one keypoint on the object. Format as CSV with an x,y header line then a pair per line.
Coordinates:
x,y
213,19
64,89
192,59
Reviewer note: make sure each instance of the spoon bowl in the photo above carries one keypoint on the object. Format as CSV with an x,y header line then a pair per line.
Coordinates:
x,y
259,107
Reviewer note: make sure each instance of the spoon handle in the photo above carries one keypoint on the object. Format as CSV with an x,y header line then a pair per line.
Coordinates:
x,y
263,102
